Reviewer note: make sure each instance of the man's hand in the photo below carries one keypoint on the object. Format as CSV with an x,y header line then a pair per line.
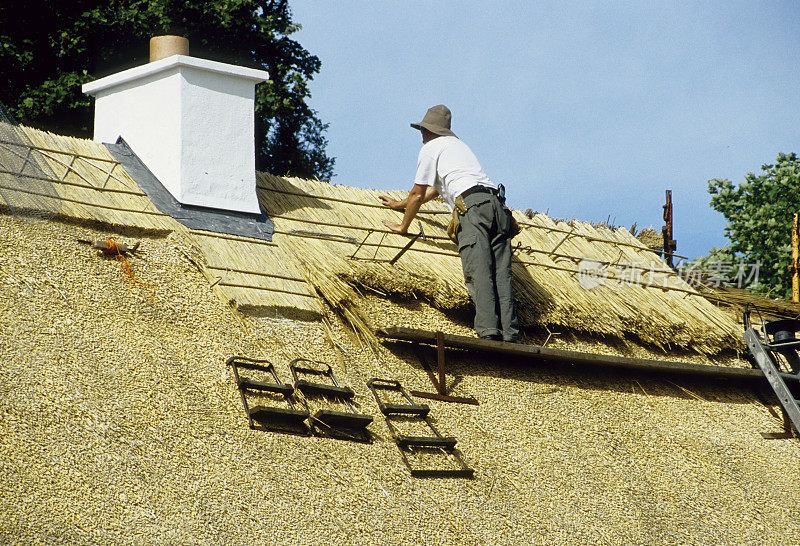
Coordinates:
x,y
392,203
410,205
397,228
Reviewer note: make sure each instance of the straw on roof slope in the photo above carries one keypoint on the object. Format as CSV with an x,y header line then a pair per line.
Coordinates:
x,y
736,300
257,276
651,238
636,294
88,183
119,423
316,222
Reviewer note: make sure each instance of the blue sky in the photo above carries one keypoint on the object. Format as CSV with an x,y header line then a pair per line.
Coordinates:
x,y
583,109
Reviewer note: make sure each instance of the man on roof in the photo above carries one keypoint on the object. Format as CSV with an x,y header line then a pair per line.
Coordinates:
x,y
446,167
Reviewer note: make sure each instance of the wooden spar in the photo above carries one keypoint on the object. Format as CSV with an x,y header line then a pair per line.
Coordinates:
x,y
669,243
560,355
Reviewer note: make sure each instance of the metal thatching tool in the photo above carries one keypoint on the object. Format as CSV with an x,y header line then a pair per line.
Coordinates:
x,y
329,422
408,245
369,232
412,444
285,419
321,235
561,242
785,384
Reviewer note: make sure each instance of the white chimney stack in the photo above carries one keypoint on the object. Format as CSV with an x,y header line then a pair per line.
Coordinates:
x,y
190,120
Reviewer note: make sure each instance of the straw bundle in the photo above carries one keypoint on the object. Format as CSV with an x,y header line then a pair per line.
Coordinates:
x,y
651,238
338,294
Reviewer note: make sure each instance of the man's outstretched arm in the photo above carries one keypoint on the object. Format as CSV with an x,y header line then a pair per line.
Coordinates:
x,y
418,195
430,193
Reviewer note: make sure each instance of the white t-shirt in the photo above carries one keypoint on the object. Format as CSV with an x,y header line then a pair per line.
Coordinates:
x,y
450,167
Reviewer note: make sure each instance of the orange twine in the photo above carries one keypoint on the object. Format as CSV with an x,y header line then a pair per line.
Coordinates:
x,y
113,248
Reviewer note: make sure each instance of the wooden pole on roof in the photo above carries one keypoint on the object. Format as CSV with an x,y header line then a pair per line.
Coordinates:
x,y
794,264
670,245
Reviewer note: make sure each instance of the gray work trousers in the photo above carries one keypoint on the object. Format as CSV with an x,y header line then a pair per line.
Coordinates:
x,y
485,248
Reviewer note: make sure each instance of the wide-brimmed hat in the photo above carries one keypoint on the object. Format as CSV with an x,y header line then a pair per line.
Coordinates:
x,y
436,120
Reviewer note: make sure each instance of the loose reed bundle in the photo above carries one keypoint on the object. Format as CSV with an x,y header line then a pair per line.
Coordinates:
x,y
336,293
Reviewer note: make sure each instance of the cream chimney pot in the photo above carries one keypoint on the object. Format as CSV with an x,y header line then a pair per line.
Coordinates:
x,y
191,121
165,46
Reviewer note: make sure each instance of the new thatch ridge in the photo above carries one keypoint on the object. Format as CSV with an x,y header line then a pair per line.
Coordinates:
x,y
571,275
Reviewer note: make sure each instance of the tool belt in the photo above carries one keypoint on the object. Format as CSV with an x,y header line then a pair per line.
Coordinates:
x,y
460,208
477,189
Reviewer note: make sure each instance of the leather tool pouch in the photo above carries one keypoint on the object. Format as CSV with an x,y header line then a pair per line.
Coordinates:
x,y
460,205
452,228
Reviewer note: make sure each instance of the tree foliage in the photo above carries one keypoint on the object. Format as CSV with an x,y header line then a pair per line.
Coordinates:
x,y
49,48
759,213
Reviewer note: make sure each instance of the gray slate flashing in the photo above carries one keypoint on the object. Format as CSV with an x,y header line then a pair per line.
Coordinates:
x,y
259,226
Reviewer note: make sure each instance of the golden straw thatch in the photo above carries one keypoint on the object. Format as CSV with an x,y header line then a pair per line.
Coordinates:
x,y
574,275
596,280
87,182
121,423
651,238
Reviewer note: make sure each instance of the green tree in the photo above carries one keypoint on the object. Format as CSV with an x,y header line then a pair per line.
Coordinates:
x,y
49,48
759,213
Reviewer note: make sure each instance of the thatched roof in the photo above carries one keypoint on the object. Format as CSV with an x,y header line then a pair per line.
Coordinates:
x,y
84,181
121,423
566,274
735,301
637,295
651,238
